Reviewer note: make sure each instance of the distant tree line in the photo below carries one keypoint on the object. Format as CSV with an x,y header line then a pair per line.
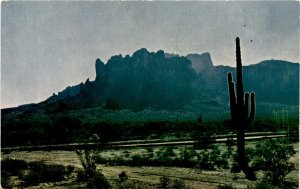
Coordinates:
x,y
38,129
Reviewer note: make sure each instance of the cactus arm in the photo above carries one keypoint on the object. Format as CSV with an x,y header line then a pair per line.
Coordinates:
x,y
252,111
232,97
246,106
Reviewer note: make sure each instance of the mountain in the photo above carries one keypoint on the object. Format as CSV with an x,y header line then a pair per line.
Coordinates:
x,y
145,79
160,80
201,62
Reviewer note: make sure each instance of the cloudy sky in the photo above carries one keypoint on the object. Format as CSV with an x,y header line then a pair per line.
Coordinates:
x,y
46,46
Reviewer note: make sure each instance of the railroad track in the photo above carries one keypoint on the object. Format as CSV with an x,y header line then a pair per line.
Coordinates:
x,y
145,143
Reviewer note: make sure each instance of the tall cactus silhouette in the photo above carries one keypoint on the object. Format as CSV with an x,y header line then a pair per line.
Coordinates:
x,y
240,112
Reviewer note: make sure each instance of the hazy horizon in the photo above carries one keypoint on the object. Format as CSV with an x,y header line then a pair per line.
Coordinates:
x,y
47,46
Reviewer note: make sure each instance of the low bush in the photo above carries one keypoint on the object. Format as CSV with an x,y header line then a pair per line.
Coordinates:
x,y
70,169
187,157
48,172
97,180
169,152
13,166
164,182
31,178
204,161
149,150
204,140
138,160
40,172
5,179
209,159
167,183
263,184
272,157
81,176
32,173
89,174
179,184
123,176
186,154
88,162
100,160
131,184
118,160
124,183
126,153
226,186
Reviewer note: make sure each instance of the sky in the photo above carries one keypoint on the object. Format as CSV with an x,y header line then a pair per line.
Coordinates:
x,y
47,46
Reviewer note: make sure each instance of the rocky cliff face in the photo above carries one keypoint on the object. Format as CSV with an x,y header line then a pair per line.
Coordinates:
x,y
100,69
167,81
201,62
148,79
145,79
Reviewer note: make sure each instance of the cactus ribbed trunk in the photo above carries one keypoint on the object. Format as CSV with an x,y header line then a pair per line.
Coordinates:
x,y
239,112
240,106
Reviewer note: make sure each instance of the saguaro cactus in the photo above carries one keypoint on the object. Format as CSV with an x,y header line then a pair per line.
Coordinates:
x,y
240,112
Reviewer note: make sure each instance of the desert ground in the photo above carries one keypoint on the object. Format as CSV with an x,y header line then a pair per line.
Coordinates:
x,y
194,178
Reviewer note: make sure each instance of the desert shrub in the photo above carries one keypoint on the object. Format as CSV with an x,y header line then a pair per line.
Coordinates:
x,y
34,172
138,160
69,169
13,166
100,159
149,150
41,172
186,156
132,184
31,178
263,184
169,152
204,140
222,162
219,158
126,153
89,173
208,159
235,167
81,176
97,180
204,161
5,179
230,145
164,182
272,157
88,162
118,160
150,155
215,155
165,152
187,153
123,176
52,171
179,184
226,186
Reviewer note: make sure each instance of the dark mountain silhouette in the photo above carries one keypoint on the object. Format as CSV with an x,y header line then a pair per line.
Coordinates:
x,y
145,79
168,81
